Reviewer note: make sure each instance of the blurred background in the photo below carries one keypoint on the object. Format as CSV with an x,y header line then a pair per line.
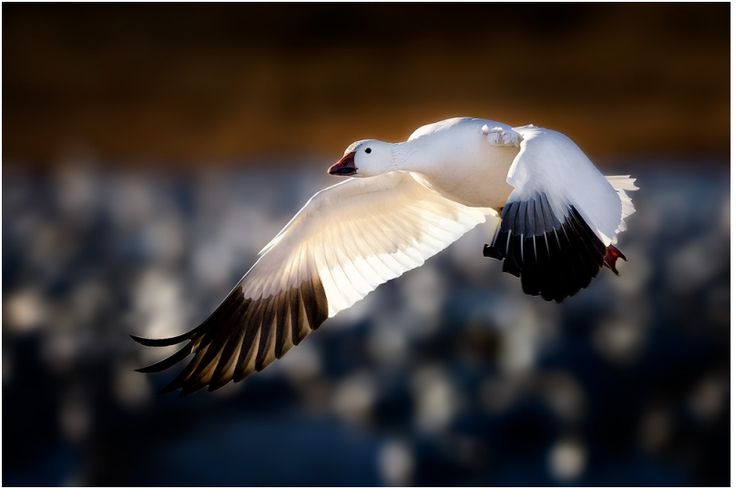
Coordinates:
x,y
150,151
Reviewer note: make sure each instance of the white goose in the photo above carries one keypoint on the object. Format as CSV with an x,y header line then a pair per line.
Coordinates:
x,y
554,216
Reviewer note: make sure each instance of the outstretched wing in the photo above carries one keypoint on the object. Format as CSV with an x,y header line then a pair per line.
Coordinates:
x,y
346,240
560,222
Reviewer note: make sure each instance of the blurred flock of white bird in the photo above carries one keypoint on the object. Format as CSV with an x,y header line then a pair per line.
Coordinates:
x,y
448,375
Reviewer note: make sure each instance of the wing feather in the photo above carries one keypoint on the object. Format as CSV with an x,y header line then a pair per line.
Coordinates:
x,y
346,241
559,198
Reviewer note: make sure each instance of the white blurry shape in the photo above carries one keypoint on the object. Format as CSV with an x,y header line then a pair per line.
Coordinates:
x,y
564,395
436,399
133,200
228,237
709,398
646,225
521,330
396,463
158,301
404,320
695,264
263,227
247,228
130,387
25,310
165,238
234,217
353,397
567,460
74,416
656,428
423,290
620,340
633,274
213,263
387,343
61,346
658,212
78,191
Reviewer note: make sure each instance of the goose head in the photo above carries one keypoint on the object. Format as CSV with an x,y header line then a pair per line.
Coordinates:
x,y
365,158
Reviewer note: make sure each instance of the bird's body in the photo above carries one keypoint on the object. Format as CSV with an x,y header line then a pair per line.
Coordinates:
x,y
554,219
447,152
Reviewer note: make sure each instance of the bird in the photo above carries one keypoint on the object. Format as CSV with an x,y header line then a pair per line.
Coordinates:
x,y
554,218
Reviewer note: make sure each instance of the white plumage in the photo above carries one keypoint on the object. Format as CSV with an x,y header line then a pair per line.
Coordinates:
x,y
359,234
551,164
555,219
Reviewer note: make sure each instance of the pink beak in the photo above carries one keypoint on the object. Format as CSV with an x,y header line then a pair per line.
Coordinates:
x,y
344,167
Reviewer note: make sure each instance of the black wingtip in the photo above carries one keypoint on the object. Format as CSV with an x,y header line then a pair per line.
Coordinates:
x,y
141,340
168,361
553,258
226,346
158,342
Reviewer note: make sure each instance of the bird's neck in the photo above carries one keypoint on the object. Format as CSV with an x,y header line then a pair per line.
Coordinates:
x,y
412,156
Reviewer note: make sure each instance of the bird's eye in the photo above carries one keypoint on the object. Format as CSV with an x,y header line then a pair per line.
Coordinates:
x,y
368,150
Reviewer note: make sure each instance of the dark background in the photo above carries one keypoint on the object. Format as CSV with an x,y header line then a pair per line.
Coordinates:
x,y
150,151
189,82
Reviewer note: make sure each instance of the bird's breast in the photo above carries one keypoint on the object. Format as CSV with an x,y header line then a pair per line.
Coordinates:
x,y
474,175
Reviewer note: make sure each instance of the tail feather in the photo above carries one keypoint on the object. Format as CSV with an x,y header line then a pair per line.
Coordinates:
x,y
623,184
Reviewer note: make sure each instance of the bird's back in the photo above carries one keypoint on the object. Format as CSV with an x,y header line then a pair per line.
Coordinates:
x,y
463,165
454,124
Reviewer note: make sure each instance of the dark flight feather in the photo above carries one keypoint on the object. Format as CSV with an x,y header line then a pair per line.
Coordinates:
x,y
242,336
553,259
